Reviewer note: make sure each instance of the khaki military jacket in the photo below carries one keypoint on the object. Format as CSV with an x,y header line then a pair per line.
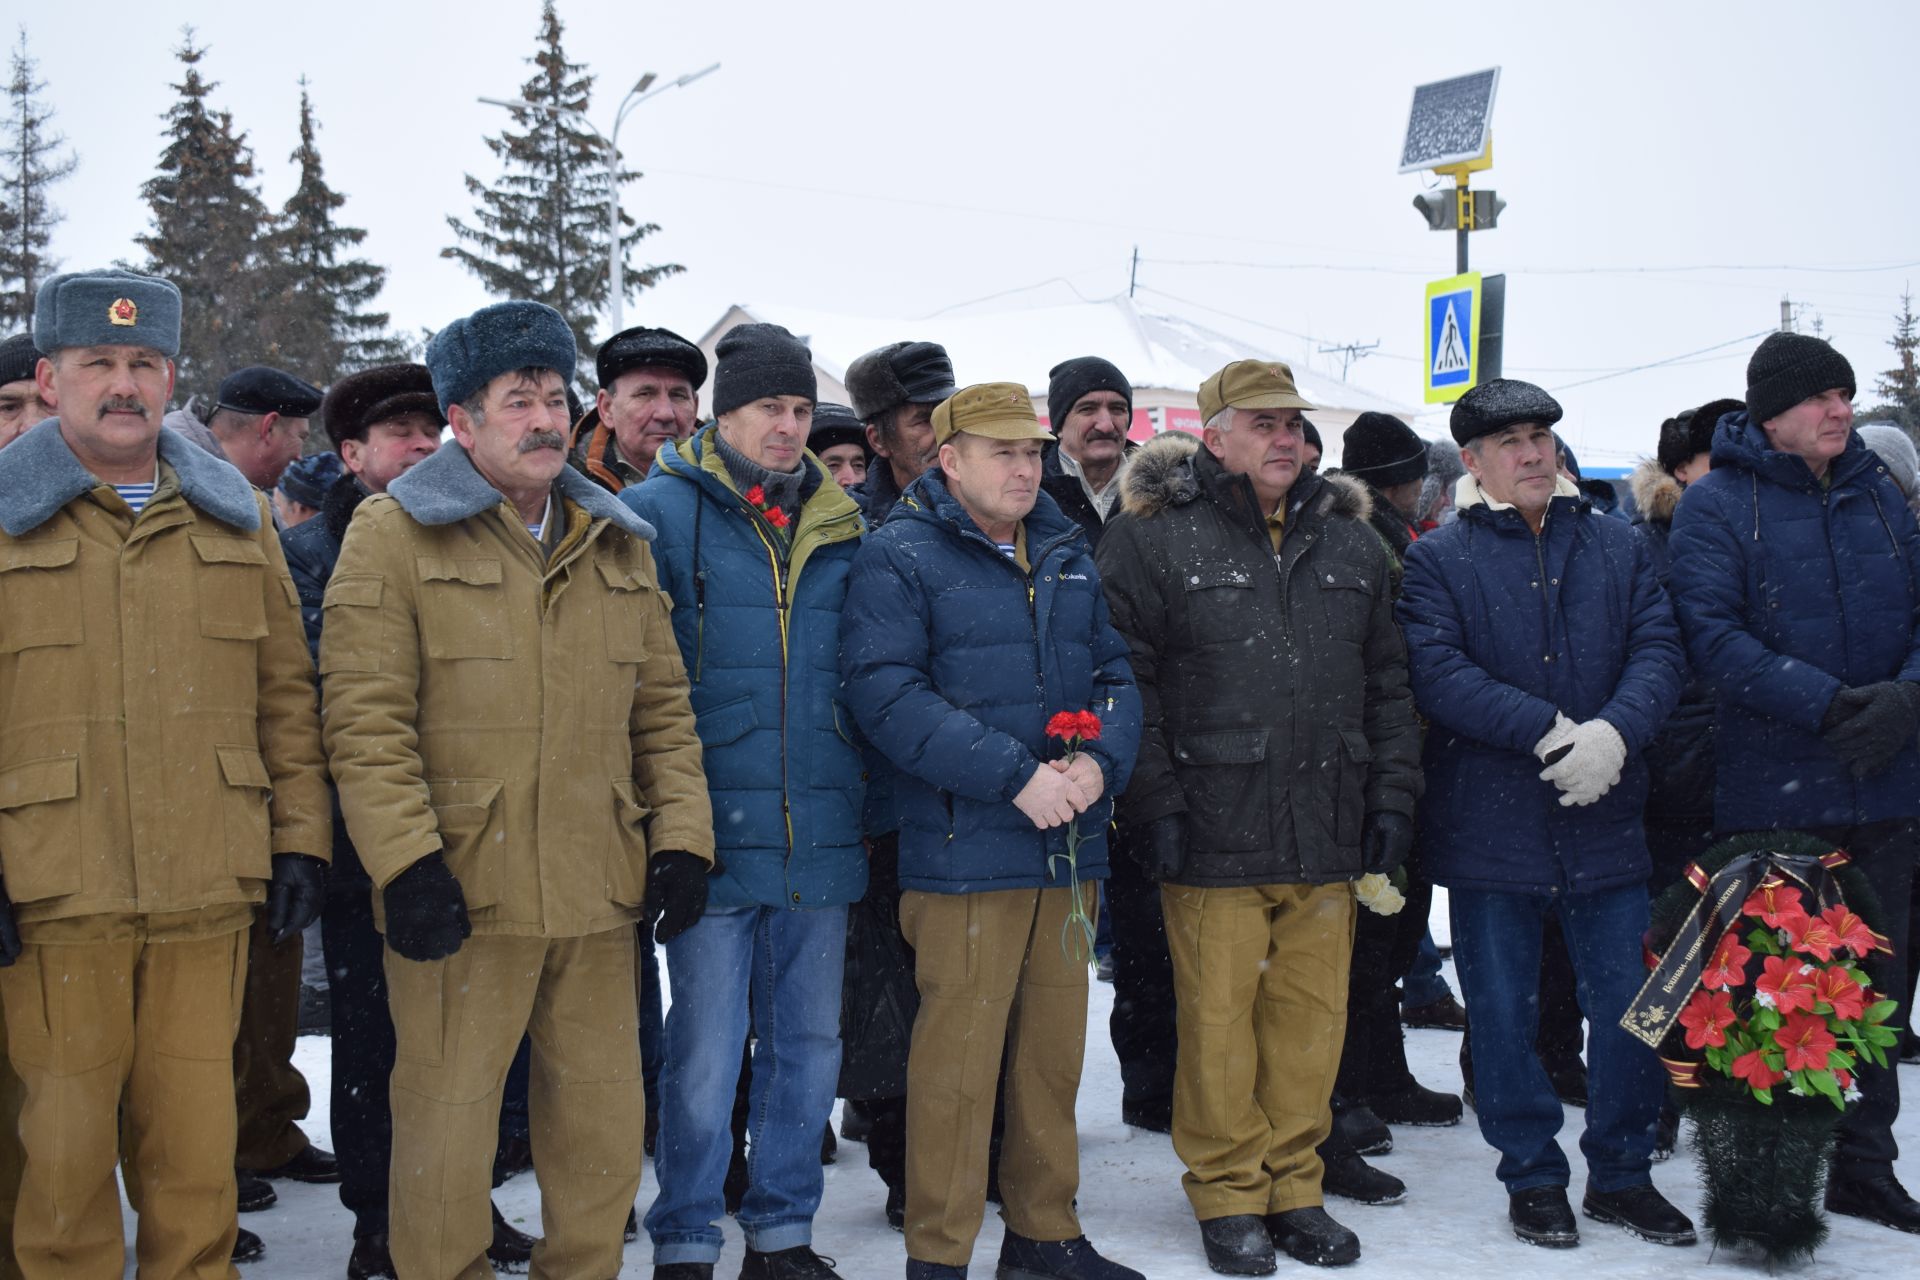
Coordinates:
x,y
524,710
159,740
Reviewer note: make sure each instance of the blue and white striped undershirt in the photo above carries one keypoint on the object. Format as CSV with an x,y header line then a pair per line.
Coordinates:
x,y
138,495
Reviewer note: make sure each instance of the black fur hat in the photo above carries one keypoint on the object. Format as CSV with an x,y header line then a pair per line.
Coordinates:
x,y
896,374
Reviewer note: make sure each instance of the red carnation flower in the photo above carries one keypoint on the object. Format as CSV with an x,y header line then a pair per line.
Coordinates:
x,y
1064,725
1788,982
756,495
1087,725
1728,968
1837,988
1752,1067
1773,903
1849,928
1805,1040
777,517
1706,1018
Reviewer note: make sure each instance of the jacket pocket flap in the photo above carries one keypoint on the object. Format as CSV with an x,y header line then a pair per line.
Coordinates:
x,y
630,806
216,550
243,767
620,577
1206,575
362,590
40,780
48,554
1232,746
479,573
728,722
1359,750
1344,577
447,793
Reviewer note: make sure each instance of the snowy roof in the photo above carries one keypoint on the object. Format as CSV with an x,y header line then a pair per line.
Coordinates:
x,y
1152,349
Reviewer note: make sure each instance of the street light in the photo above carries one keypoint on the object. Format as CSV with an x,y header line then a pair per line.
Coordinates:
x,y
643,89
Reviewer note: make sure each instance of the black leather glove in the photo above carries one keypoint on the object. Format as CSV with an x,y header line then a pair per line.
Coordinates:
x,y
426,912
1385,841
676,893
9,930
1868,726
1161,847
294,895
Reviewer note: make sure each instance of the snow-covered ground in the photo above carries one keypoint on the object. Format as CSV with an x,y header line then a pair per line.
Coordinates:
x,y
1453,1223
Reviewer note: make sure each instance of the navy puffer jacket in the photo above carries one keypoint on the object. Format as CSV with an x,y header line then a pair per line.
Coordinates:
x,y
955,660
1503,629
758,622
1789,590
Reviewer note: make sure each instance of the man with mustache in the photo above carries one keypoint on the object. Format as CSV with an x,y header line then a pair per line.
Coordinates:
x,y
1796,569
507,720
754,546
1537,634
650,383
141,819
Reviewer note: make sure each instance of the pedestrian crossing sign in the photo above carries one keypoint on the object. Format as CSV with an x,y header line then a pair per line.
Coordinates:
x,y
1453,337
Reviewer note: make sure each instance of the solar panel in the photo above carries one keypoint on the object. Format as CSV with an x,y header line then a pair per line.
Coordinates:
x,y
1449,121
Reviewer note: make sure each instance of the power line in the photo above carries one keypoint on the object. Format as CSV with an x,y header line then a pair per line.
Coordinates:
x,y
1369,269
1655,364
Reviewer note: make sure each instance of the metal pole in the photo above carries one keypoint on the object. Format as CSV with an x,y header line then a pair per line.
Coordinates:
x,y
1460,252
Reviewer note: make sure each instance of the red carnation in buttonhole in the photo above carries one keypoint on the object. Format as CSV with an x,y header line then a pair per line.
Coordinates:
x,y
777,517
1806,1041
756,495
1706,1018
1849,928
1728,968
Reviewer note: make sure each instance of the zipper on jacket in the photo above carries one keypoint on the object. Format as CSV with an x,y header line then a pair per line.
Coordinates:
x,y
780,599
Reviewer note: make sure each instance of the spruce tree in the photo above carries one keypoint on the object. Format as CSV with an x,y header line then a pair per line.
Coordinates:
x,y
209,226
540,231
324,324
1899,388
30,162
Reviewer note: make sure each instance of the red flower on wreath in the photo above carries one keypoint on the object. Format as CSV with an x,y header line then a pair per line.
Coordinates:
x,y
1806,1041
1706,1018
1773,904
1836,987
1810,934
1728,968
1786,982
1849,928
1752,1067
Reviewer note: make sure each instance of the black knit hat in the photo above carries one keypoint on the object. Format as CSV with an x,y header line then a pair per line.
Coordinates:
x,y
18,357
644,348
1383,451
1497,405
1071,379
1788,368
759,360
834,424
308,479
1311,434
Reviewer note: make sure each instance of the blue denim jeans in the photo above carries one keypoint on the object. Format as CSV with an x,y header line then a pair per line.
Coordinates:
x,y
1424,983
789,965
1496,948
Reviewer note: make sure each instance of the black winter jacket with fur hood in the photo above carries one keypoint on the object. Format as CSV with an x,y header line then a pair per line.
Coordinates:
x,y
1275,686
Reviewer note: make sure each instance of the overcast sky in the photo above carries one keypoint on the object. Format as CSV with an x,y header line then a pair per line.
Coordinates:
x,y
901,158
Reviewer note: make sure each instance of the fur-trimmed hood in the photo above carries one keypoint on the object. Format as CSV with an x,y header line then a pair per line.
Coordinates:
x,y
445,488
1656,495
39,475
1160,474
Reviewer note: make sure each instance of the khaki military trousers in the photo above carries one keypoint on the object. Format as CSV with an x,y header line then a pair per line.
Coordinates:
x,y
1260,977
992,974
13,1157
457,1023
89,1023
269,1090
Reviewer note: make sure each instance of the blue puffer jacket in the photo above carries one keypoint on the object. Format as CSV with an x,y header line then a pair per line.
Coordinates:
x,y
954,662
759,628
1789,590
1503,629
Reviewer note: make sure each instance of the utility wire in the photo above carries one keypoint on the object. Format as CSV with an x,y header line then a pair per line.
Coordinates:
x,y
1655,364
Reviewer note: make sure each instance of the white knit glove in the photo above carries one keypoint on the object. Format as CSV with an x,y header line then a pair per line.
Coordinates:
x,y
1558,736
1592,768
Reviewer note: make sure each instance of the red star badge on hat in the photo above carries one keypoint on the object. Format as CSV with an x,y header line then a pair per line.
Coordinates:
x,y
123,312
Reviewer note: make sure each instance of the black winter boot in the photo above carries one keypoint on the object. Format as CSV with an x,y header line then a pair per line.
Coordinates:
x,y
1542,1216
1311,1236
1075,1259
1238,1245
